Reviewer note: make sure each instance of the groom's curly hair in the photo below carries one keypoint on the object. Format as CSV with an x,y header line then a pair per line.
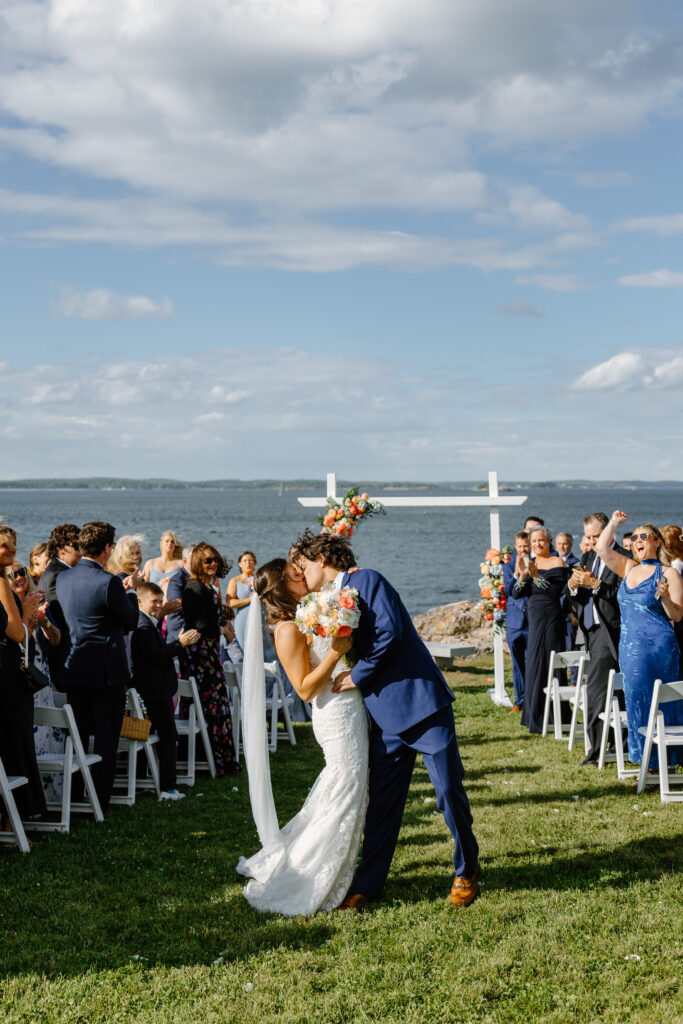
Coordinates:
x,y
333,550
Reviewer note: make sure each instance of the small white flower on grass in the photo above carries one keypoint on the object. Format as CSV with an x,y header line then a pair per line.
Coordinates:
x,y
575,796
520,751
544,846
533,842
635,807
632,956
218,960
428,800
647,814
235,789
136,956
556,810
248,987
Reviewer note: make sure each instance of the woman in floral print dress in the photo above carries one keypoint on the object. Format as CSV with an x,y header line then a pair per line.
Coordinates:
x,y
203,611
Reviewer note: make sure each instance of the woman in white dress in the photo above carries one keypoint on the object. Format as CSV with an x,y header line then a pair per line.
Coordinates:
x,y
306,866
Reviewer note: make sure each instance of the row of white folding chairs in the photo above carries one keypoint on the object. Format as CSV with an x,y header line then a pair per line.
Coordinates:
x,y
557,693
277,702
73,759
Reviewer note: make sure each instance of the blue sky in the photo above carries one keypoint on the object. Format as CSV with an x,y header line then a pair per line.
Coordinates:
x,y
396,240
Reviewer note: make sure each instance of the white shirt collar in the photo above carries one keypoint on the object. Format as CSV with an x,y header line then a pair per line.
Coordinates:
x,y
151,618
337,584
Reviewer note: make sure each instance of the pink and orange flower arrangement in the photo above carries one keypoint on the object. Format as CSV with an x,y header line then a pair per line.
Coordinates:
x,y
341,519
329,613
491,587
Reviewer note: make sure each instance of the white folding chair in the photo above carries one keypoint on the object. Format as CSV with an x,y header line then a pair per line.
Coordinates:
x,y
233,682
275,703
191,693
555,693
615,719
72,760
664,736
579,701
17,835
130,750
187,727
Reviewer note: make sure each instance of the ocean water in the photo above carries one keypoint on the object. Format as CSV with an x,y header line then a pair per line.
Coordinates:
x,y
431,555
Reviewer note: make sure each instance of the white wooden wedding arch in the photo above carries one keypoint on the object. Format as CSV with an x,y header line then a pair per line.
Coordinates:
x,y
493,500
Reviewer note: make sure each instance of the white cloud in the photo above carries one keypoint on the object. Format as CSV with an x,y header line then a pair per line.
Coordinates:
x,y
665,226
102,304
551,282
622,369
653,279
636,370
521,309
244,119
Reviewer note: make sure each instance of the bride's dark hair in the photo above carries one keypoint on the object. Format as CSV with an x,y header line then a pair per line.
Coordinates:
x,y
270,583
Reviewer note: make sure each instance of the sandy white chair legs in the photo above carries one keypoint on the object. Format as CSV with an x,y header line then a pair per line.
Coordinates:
x,y
191,693
580,702
615,719
555,693
233,682
72,760
130,750
17,835
663,736
275,703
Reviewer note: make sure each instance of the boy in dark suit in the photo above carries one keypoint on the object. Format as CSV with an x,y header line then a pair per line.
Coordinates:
x,y
155,678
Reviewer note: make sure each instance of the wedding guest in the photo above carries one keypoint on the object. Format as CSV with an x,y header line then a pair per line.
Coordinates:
x,y
202,610
542,578
37,562
626,541
154,676
593,589
531,522
584,545
126,555
174,596
158,570
517,621
240,589
17,749
673,539
650,598
64,554
98,612
563,546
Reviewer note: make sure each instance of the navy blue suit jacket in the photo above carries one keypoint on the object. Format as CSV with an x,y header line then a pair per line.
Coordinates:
x,y
98,612
516,614
175,622
395,672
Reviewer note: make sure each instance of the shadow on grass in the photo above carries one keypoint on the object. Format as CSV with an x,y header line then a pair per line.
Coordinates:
x,y
619,867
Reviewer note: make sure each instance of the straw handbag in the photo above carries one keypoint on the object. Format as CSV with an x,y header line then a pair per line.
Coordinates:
x,y
136,728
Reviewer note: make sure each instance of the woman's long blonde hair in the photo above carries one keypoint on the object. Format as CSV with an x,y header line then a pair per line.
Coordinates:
x,y
120,559
663,553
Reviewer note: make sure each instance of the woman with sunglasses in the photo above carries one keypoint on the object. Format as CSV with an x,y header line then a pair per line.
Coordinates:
x,y
650,600
203,611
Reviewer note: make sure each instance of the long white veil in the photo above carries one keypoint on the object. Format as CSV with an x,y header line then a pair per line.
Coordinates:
x,y
254,732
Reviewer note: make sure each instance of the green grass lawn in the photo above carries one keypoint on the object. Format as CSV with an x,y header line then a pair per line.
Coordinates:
x,y
142,919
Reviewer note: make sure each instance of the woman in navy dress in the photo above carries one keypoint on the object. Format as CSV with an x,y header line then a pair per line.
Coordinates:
x,y
650,600
543,581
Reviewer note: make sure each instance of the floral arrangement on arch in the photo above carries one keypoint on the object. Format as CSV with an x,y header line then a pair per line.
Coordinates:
x,y
342,518
491,587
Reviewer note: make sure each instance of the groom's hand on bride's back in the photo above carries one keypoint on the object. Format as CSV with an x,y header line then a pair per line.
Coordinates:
x,y
343,682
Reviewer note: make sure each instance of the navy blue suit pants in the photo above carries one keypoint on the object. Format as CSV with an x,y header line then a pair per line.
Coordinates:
x,y
392,758
517,643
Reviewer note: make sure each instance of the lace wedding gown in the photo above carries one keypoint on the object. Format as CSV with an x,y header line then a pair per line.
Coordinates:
x,y
309,865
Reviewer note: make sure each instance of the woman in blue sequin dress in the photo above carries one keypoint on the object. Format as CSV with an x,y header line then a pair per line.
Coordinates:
x,y
650,600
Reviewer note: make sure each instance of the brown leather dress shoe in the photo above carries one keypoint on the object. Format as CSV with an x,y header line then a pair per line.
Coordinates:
x,y
515,707
465,890
354,901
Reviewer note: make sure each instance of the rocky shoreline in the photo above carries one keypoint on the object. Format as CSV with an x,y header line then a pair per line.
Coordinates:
x,y
462,622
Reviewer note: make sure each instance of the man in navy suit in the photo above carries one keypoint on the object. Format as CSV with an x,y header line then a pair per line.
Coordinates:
x,y
175,623
409,706
98,612
516,620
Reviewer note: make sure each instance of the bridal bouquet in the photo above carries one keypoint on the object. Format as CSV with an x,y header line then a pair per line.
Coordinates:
x,y
329,613
342,518
491,587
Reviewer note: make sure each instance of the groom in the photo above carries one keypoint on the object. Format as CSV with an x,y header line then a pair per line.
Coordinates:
x,y
409,705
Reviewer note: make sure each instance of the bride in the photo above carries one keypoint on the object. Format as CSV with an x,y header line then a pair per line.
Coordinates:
x,y
307,865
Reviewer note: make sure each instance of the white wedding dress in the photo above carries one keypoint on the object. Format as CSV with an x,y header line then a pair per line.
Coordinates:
x,y
309,864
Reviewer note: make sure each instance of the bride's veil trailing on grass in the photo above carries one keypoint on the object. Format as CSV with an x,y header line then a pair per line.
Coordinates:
x,y
254,732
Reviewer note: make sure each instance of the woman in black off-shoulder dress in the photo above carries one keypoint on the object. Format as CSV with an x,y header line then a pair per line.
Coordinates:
x,y
543,581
